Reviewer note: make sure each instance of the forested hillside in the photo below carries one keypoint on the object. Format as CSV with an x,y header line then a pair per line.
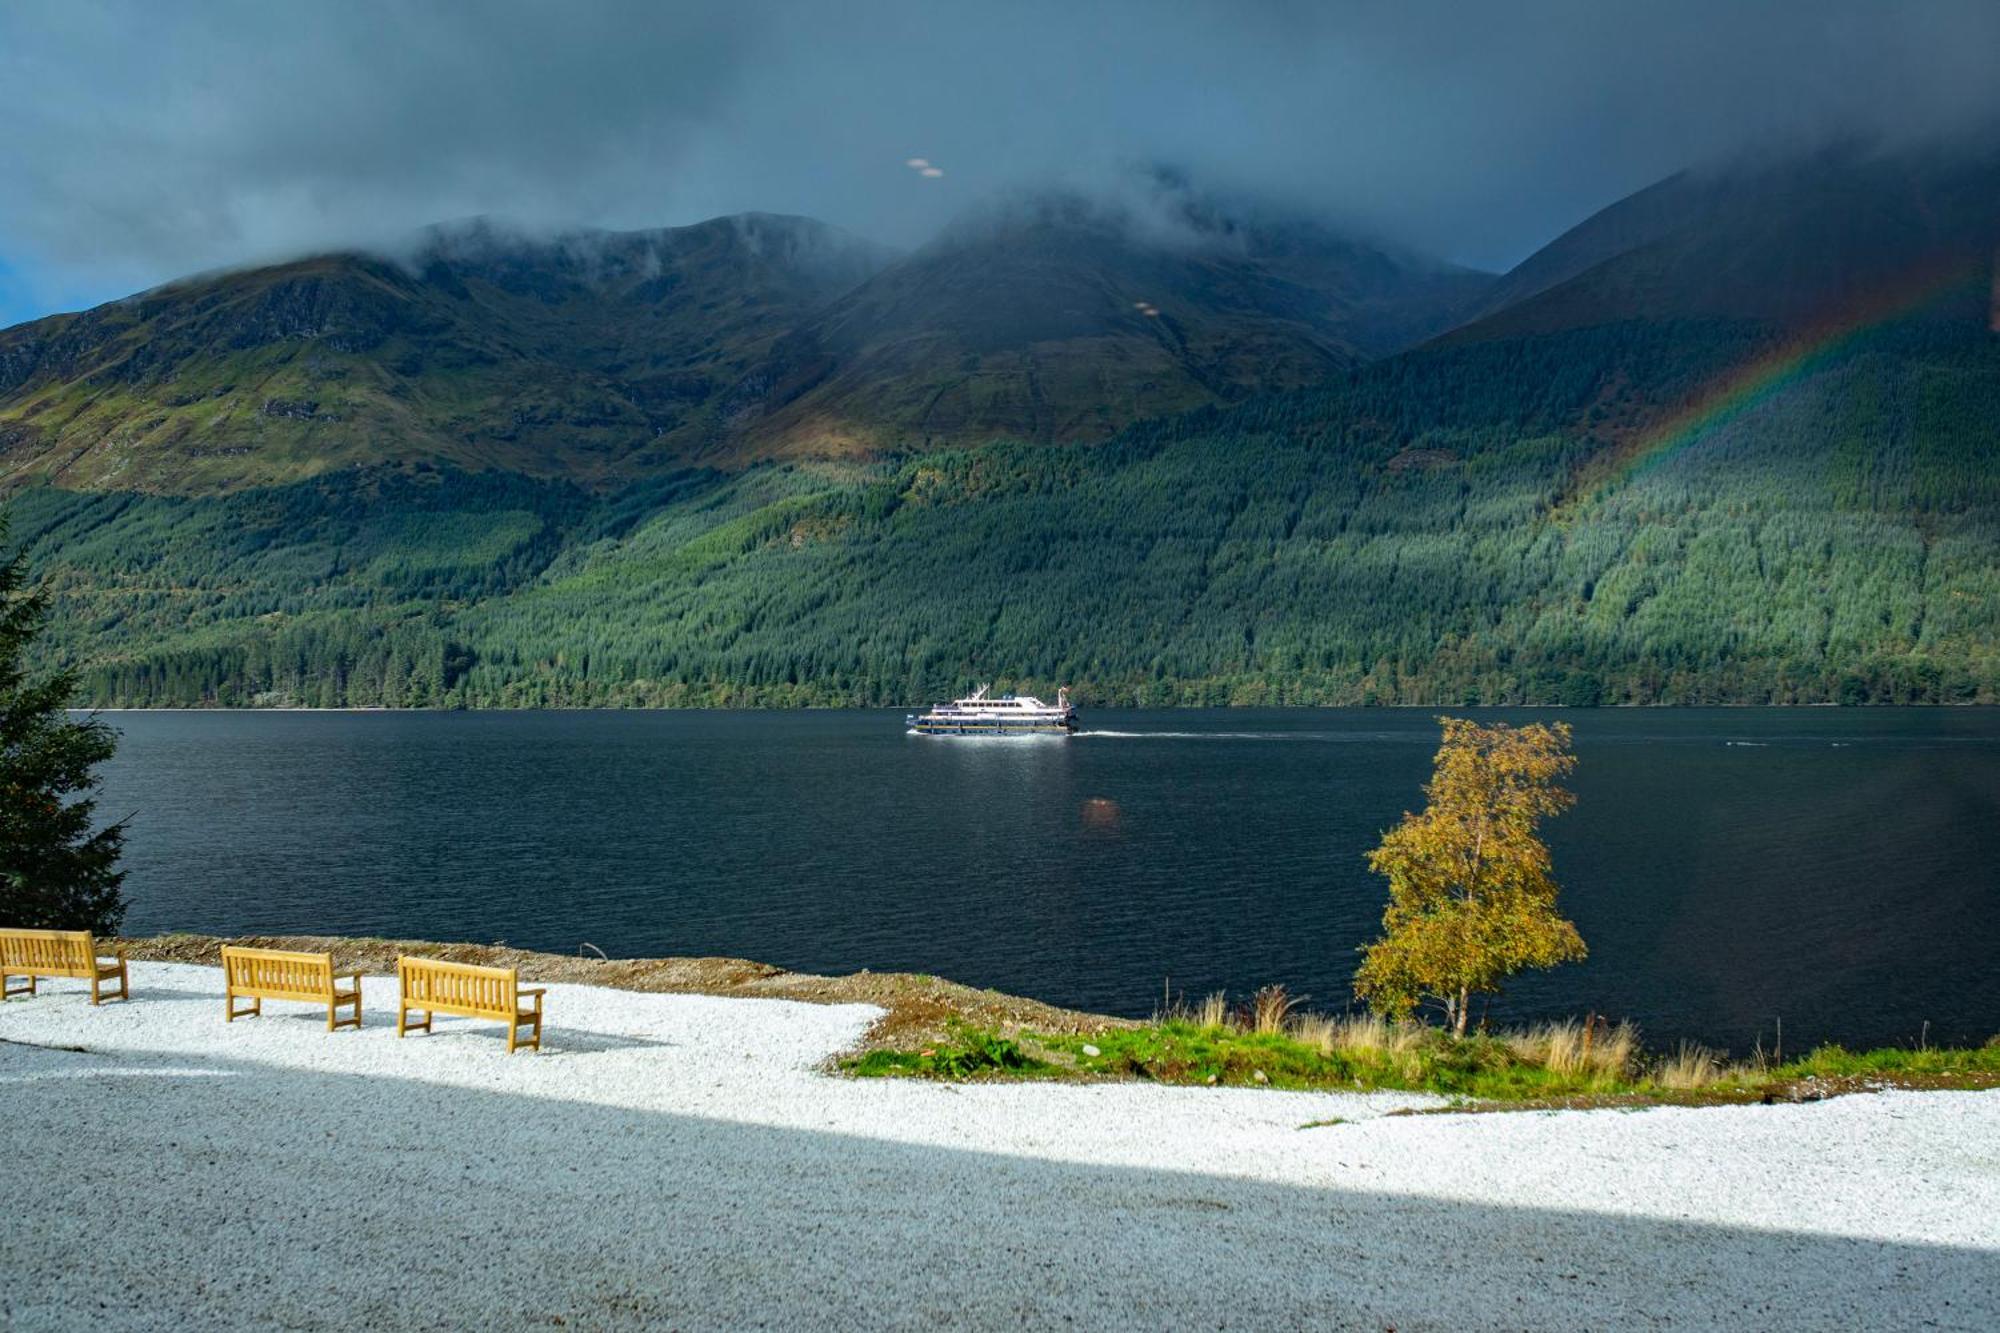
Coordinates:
x,y
1379,542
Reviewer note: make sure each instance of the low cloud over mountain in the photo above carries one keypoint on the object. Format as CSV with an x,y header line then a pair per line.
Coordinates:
x,y
146,142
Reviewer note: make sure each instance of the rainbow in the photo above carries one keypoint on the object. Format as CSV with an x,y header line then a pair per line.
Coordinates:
x,y
1743,387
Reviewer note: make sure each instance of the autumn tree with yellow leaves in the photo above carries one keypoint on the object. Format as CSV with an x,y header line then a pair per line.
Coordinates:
x,y
1472,894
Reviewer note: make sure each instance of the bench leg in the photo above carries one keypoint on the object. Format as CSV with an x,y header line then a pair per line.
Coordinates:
x,y
404,1025
8,990
231,1013
333,1008
97,984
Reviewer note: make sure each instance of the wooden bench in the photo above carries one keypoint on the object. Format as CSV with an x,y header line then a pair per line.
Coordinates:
x,y
258,975
58,953
470,991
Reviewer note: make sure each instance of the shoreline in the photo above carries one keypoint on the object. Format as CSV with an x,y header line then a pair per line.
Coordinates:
x,y
918,1007
929,1025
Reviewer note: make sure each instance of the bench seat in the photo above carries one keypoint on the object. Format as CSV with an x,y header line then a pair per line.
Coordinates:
x,y
59,953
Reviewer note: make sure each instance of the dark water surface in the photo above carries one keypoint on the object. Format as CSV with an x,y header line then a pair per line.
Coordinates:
x,y
1727,867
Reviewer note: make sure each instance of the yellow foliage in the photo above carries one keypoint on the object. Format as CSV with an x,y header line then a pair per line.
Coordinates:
x,y
1472,893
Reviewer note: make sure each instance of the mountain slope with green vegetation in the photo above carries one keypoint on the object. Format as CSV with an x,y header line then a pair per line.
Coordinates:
x,y
592,356
1734,444
1831,543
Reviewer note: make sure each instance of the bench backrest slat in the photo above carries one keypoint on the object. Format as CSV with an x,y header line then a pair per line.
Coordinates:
x,y
60,952
278,973
458,987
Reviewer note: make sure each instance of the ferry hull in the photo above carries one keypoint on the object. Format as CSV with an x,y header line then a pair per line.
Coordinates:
x,y
981,727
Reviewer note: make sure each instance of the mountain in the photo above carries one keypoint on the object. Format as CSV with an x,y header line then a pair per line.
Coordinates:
x,y
1059,319
606,357
1778,243
589,355
1734,444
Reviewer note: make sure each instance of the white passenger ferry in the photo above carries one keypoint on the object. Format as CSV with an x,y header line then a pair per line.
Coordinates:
x,y
1009,715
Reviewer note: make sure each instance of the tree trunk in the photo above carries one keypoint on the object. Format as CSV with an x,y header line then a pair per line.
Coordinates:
x,y
1463,1011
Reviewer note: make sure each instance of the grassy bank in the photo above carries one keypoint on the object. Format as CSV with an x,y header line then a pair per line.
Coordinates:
x,y
1266,1044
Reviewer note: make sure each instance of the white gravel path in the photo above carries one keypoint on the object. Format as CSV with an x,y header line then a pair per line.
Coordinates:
x,y
675,1160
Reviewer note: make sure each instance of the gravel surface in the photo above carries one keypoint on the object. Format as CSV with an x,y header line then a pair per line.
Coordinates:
x,y
915,1009
676,1160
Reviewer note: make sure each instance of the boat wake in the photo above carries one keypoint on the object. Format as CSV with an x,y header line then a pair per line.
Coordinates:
x,y
1210,735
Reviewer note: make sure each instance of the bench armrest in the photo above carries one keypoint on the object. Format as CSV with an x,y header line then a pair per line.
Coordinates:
x,y
526,991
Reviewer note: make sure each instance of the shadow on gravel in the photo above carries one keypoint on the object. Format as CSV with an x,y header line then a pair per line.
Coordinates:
x,y
331,1200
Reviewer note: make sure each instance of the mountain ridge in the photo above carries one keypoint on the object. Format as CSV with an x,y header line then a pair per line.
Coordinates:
x,y
607,356
574,363
1783,244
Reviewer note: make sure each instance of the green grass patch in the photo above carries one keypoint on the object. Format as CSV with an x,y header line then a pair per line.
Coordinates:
x,y
1549,1064
969,1055
1179,1051
1835,1061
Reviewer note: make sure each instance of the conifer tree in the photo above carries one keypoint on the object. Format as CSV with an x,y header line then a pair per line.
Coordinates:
x,y
55,871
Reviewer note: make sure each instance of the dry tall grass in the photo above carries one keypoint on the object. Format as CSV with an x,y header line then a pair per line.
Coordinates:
x,y
1315,1030
1588,1049
1572,1047
1269,1008
1690,1067
1357,1034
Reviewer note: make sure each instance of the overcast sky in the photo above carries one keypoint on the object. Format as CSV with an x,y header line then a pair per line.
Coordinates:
x,y
143,141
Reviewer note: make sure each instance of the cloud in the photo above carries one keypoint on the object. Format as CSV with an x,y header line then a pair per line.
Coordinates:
x,y
145,141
